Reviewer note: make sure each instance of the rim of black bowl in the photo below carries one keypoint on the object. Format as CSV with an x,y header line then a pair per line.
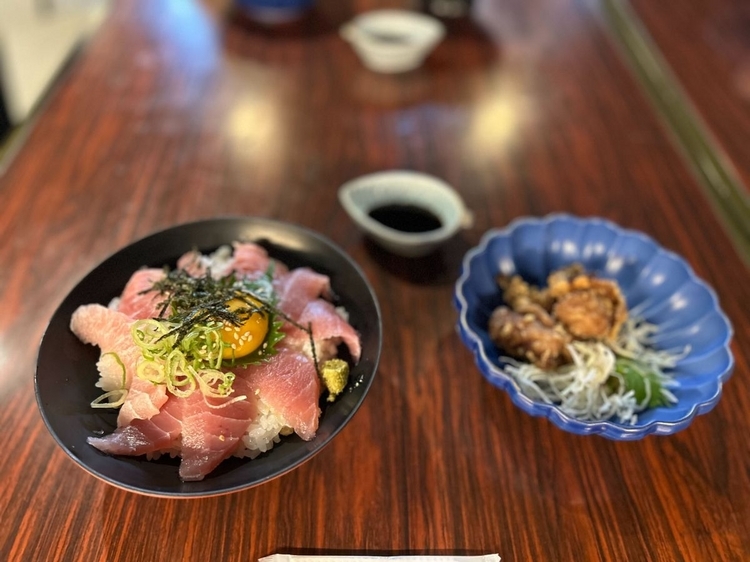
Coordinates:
x,y
66,371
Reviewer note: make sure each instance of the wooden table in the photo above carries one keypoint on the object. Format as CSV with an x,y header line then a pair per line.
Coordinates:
x,y
173,112
711,57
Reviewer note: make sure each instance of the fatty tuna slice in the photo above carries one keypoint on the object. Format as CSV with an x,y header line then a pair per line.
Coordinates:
x,y
110,330
143,401
196,263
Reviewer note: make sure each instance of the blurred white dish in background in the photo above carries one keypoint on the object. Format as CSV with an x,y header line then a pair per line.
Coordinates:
x,y
428,210
393,40
36,39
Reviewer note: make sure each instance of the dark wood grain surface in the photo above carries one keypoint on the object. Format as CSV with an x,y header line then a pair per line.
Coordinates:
x,y
707,45
173,112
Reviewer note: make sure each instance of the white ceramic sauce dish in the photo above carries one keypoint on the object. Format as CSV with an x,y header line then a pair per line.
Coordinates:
x,y
411,199
391,41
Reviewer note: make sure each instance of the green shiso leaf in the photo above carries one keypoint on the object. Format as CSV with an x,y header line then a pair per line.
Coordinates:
x,y
640,379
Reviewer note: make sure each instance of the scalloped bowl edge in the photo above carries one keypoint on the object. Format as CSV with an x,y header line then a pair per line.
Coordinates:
x,y
606,428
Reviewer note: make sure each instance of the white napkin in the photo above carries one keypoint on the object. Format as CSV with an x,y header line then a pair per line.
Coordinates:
x,y
295,558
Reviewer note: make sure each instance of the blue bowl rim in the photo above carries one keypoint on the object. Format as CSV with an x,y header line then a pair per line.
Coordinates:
x,y
606,428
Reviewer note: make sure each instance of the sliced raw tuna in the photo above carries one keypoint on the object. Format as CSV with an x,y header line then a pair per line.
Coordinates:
x,y
142,437
136,300
203,435
300,286
210,435
143,401
110,330
329,329
249,258
289,385
246,259
196,264
252,260
193,263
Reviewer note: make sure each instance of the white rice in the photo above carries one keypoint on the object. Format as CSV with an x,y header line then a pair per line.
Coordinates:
x,y
263,433
110,374
219,262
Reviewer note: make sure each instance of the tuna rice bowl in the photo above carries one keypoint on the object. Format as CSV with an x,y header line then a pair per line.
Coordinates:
x,y
223,358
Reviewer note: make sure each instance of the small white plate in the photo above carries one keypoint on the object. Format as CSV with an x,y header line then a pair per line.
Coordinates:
x,y
362,195
393,40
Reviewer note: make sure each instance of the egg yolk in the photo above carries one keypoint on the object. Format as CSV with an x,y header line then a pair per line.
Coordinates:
x,y
248,336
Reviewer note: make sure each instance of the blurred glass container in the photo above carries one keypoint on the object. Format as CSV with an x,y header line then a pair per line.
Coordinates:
x,y
274,12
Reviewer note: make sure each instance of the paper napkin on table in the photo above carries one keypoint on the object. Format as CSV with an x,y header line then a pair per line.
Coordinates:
x,y
419,558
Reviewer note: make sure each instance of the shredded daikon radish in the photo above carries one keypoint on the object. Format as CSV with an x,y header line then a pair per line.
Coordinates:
x,y
581,390
636,341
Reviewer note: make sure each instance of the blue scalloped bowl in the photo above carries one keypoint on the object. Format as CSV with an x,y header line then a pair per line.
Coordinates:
x,y
659,282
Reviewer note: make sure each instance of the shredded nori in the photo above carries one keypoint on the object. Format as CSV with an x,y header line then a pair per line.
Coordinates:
x,y
190,301
199,300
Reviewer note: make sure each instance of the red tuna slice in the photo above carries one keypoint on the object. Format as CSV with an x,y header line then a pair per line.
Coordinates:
x,y
247,260
289,385
192,263
196,264
298,288
203,435
136,303
141,437
329,329
110,330
212,434
252,260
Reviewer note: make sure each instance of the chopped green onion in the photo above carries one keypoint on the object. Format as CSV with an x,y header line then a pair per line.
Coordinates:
x,y
105,400
100,401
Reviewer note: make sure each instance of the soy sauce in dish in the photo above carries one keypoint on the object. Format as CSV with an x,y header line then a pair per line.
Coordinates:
x,y
406,218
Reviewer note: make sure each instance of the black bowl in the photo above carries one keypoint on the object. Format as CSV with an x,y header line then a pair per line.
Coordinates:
x,y
66,368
